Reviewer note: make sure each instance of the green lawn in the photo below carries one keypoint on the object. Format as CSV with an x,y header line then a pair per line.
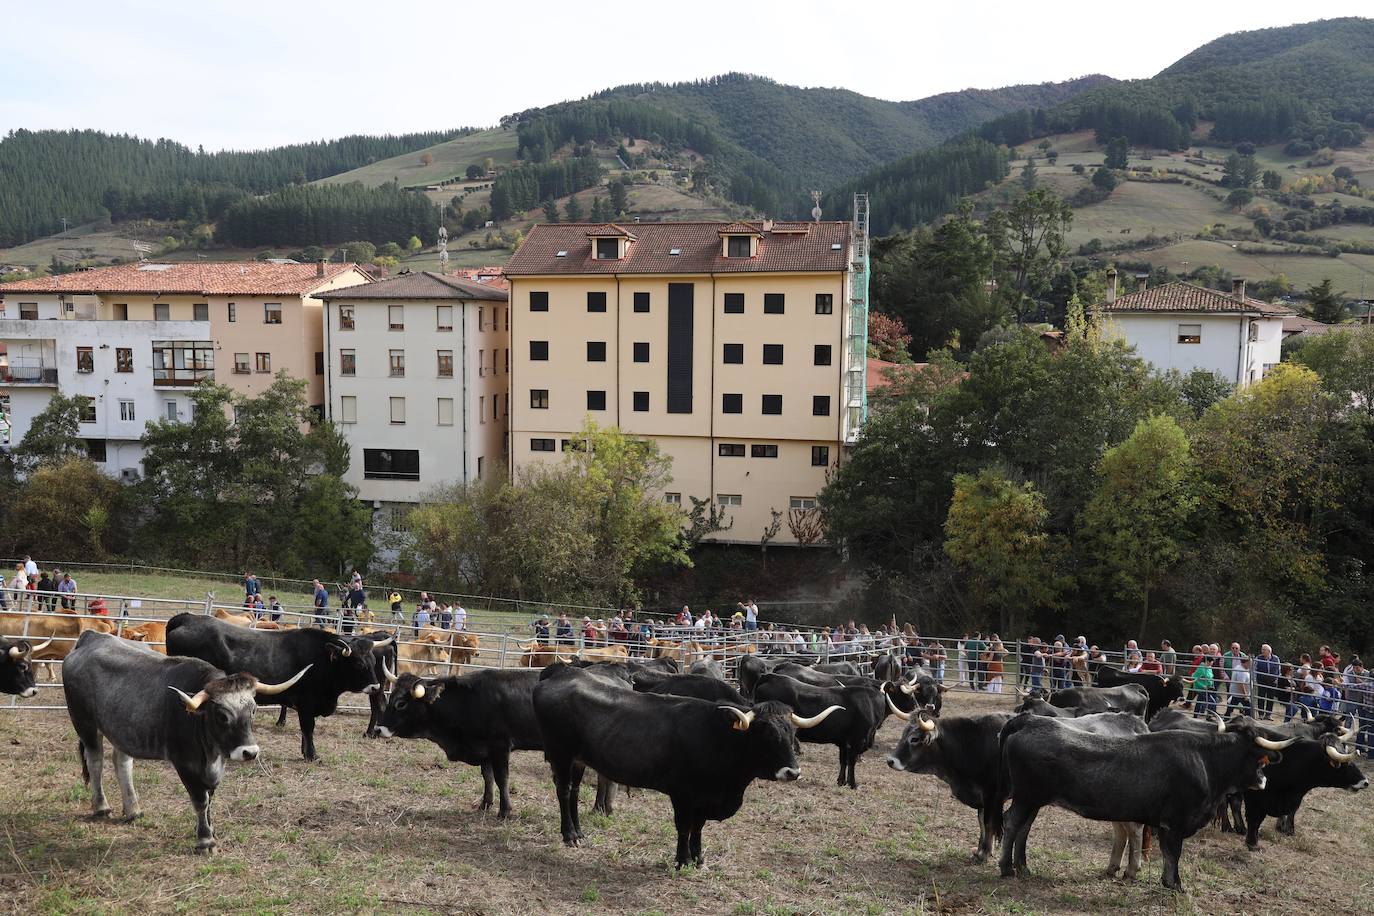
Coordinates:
x,y
450,158
1146,208
1350,272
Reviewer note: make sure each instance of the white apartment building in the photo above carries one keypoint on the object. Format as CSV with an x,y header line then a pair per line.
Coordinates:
x,y
1185,327
416,379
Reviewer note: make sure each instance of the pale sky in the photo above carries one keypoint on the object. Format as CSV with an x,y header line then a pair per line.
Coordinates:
x,y
250,73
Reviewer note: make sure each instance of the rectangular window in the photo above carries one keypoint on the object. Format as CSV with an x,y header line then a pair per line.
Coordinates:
x,y
171,410
820,405
481,408
96,450
271,313
319,363
396,360
732,403
596,400
737,246
233,313
539,398
641,400
507,354
182,363
681,297
734,353
391,464
772,403
445,411
733,500
801,503
121,311
772,354
541,445
443,318
28,311
396,317
1190,333
822,354
348,409
596,351
539,302
731,450
820,456
161,311
539,350
480,458
763,451
348,362
641,352
825,303
398,410
87,410
773,303
673,499
734,303
346,319
126,410
641,302
482,363
241,366
124,359
445,363
596,302
481,318
85,359
262,362
607,249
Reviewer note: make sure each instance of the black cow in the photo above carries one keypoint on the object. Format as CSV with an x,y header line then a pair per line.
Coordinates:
x,y
924,689
707,667
1162,690
384,657
154,707
963,753
1309,764
1131,698
838,668
1038,706
861,710
808,675
700,754
16,666
338,664
888,668
751,668
1169,781
700,686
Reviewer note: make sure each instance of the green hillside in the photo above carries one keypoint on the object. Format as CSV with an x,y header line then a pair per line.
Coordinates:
x,y
447,160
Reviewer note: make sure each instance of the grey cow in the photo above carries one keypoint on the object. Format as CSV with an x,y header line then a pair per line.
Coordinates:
x,y
154,707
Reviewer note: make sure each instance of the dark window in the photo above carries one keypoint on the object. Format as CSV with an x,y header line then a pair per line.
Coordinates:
x,y
391,464
539,349
596,302
641,400
161,311
734,303
820,405
820,456
596,400
737,246
825,303
641,302
732,403
680,326
822,354
607,249
734,353
641,352
319,363
731,450
95,450
772,403
596,351
541,445
539,398
773,303
763,451
200,311
539,302
772,354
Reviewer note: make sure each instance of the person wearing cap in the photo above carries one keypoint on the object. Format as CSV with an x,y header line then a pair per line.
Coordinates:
x,y
541,628
588,632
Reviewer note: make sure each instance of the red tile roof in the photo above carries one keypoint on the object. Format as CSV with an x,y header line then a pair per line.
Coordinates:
x,y
421,285
196,278
739,229
1186,297
824,249
610,231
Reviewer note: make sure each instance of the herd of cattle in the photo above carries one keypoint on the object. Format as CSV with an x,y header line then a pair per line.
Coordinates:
x,y
1113,752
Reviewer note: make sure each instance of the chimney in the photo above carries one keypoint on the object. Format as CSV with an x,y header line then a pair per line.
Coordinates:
x,y
1111,284
319,268
1142,281
768,225
1238,289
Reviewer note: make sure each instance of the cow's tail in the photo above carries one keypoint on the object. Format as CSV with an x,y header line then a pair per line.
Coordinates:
x,y
85,771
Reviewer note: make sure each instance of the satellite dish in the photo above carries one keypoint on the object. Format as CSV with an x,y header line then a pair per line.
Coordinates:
x,y
816,210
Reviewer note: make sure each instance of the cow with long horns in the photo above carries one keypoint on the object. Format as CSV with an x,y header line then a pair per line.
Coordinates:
x,y
16,666
1309,764
339,664
152,707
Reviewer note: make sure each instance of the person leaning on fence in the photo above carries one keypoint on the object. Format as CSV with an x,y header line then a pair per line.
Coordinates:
x,y
321,600
1238,688
446,617
46,589
1168,658
460,617
250,588
541,629
1264,672
1204,687
1359,702
1151,664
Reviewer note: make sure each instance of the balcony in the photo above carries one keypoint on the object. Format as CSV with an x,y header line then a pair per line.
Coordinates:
x,y
22,371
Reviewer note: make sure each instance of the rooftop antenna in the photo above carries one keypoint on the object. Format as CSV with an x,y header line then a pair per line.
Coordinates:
x,y
816,210
443,250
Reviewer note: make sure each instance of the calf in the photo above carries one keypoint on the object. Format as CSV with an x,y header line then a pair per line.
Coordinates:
x,y
1131,698
16,667
152,707
859,712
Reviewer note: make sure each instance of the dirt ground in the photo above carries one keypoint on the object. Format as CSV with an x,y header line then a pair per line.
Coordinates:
x,y
390,826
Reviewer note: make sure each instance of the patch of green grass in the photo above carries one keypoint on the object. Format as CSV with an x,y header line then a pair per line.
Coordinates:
x,y
590,894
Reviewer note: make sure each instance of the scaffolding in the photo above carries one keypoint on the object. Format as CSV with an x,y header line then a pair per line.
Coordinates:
x,y
856,372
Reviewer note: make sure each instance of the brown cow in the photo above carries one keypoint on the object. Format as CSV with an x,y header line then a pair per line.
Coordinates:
x,y
683,652
604,654
152,634
63,629
238,620
541,656
465,646
422,655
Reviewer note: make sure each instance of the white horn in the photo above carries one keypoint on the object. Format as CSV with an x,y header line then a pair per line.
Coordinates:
x,y
815,720
1337,757
418,691
1308,714
1221,723
904,716
267,690
192,702
907,689
390,678
1273,745
15,652
746,719
382,643
41,646
927,725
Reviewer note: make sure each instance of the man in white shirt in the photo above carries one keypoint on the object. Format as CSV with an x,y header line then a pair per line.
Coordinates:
x,y
460,617
751,614
30,568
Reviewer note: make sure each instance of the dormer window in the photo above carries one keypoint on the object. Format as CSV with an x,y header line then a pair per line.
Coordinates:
x,y
737,246
740,240
610,242
608,249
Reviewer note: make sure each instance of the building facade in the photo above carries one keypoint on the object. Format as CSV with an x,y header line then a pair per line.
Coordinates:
x,y
416,379
726,344
1183,327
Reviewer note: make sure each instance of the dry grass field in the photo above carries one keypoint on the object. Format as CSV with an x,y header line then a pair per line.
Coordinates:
x,y
388,826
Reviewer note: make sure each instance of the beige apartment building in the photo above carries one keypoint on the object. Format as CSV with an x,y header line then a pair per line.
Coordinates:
x,y
730,345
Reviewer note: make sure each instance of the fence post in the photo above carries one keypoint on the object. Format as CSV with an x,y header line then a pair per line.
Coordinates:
x,y
209,603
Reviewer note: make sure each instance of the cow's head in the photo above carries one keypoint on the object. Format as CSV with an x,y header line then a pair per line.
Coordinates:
x,y
923,689
408,711
919,745
1172,689
351,663
769,733
900,699
1259,752
16,666
224,709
